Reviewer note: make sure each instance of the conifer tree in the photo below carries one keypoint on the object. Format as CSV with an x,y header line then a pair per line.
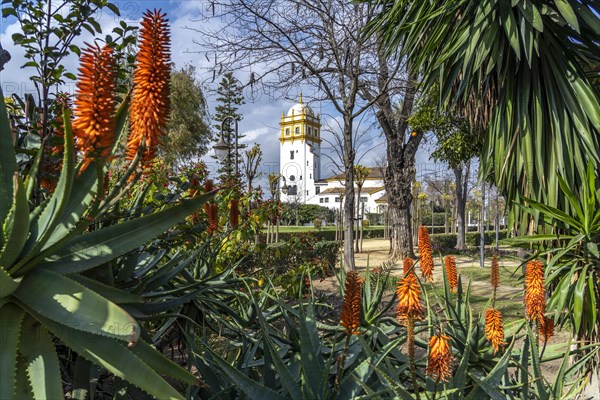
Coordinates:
x,y
229,100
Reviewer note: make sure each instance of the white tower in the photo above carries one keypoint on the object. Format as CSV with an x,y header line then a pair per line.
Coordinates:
x,y
300,152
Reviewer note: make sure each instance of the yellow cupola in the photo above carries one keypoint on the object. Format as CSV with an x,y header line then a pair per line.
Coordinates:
x,y
300,123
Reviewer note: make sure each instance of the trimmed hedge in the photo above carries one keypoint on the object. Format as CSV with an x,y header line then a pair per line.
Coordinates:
x,y
369,233
283,256
438,240
448,241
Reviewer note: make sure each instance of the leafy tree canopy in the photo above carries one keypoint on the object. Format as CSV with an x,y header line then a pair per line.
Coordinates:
x,y
188,131
457,142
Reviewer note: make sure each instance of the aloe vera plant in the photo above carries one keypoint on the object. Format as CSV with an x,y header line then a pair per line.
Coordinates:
x,y
44,293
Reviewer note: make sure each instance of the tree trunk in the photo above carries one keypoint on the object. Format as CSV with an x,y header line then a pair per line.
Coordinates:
x,y
401,233
483,226
461,202
358,223
349,152
362,218
445,218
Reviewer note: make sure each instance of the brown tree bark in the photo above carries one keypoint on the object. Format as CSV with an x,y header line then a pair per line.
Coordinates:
x,y
349,154
399,175
461,201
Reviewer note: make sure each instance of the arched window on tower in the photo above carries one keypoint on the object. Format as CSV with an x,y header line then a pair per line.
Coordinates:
x,y
287,132
297,130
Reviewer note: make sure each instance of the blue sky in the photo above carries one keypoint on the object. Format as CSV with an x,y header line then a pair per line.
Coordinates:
x,y
261,113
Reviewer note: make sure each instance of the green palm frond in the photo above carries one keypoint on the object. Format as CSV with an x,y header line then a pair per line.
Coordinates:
x,y
517,70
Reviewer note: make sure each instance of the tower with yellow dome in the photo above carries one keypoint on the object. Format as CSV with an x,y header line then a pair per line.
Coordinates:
x,y
300,152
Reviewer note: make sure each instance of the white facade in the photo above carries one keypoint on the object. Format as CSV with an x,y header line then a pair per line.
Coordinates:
x,y
300,152
300,164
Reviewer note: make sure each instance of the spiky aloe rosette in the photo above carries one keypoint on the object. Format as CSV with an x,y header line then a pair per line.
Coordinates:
x,y
149,108
51,265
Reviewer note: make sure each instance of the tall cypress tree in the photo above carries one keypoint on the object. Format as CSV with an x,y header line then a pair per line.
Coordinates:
x,y
229,100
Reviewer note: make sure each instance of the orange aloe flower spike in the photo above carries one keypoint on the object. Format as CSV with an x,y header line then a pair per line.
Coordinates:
x,y
94,121
149,109
350,317
426,254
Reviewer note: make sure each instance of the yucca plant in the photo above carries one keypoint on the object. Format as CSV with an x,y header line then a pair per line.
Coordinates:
x,y
516,70
572,257
50,253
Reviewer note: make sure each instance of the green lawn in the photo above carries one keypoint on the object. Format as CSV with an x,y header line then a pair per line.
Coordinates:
x,y
510,304
284,229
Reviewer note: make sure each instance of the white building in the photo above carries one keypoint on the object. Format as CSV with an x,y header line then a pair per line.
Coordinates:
x,y
300,164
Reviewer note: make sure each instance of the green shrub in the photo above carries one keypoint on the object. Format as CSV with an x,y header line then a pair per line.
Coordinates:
x,y
366,223
329,235
317,223
443,241
448,240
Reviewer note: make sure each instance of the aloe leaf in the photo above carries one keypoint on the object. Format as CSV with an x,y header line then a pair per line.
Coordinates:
x,y
248,386
21,384
313,365
85,187
69,303
525,367
460,376
32,174
81,379
8,161
42,362
351,384
7,284
486,387
95,248
42,227
11,317
285,376
535,363
16,225
578,299
121,128
115,357
557,388
111,293
161,364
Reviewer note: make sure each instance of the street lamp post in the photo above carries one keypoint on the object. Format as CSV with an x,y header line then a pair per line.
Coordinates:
x,y
275,189
223,149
